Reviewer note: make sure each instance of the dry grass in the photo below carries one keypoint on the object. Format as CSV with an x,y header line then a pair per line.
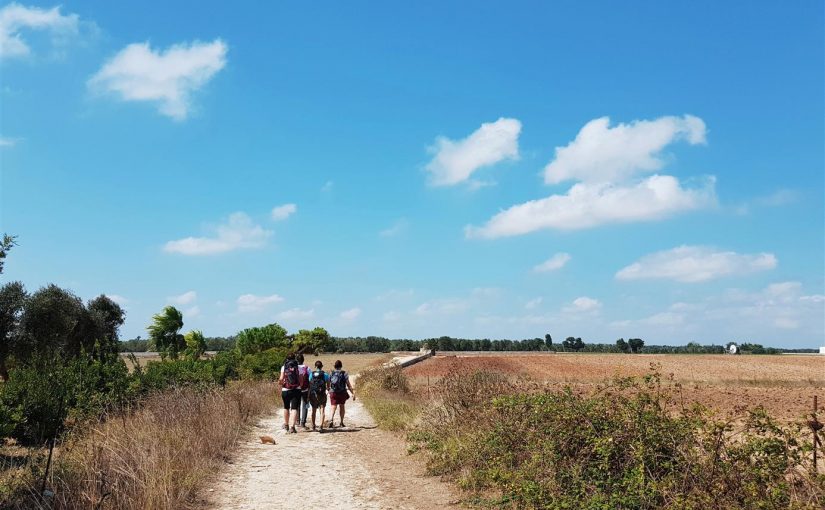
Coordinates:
x,y
157,456
783,384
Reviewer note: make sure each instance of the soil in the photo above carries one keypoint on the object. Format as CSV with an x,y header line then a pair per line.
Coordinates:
x,y
358,466
783,384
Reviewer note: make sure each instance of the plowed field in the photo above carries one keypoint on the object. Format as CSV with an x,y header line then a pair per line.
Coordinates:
x,y
784,384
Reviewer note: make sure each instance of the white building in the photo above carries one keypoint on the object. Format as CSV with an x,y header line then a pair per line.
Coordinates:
x,y
822,350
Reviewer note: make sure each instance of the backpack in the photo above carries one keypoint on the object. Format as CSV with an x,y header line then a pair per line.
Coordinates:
x,y
338,381
303,377
318,383
291,378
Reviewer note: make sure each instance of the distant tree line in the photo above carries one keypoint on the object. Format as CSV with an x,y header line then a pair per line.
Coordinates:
x,y
447,343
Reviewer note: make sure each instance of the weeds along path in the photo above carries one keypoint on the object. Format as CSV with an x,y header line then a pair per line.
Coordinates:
x,y
357,467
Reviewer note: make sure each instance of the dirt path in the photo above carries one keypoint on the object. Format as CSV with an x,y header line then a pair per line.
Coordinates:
x,y
357,467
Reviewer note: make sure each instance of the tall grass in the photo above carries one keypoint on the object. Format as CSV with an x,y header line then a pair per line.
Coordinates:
x,y
385,392
158,455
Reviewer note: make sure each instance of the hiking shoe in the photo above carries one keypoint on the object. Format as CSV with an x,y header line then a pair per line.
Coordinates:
x,y
342,425
285,427
321,431
293,431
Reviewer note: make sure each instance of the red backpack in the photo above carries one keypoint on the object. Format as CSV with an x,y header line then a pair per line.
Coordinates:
x,y
303,377
291,378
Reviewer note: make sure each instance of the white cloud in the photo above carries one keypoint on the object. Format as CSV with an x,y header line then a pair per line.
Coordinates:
x,y
692,264
778,198
167,77
327,187
555,262
391,316
395,294
252,303
14,18
588,205
192,312
184,299
397,228
533,303
443,307
295,314
283,212
583,304
604,154
8,142
239,232
122,301
455,161
351,314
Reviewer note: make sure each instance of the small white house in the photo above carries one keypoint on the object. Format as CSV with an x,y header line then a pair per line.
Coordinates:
x,y
822,350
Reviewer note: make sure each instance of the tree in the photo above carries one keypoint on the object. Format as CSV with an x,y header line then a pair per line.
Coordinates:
x,y
107,317
568,342
12,300
6,244
54,323
318,340
578,344
636,344
163,332
195,344
254,340
622,346
548,340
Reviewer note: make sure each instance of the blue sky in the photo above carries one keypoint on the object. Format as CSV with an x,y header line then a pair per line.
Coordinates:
x,y
591,169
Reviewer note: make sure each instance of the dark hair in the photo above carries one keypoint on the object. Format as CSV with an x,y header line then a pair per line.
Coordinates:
x,y
318,364
338,364
300,358
290,356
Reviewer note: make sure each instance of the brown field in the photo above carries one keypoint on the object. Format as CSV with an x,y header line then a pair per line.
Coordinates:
x,y
783,384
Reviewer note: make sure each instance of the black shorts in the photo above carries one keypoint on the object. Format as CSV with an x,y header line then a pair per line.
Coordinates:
x,y
292,398
317,399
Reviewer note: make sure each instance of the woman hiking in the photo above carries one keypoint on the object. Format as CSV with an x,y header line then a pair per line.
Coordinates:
x,y
318,387
290,383
338,385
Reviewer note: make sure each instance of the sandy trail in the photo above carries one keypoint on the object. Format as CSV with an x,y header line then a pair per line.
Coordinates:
x,y
358,467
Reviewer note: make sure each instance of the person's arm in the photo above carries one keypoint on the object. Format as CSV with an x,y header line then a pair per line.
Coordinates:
x,y
281,378
326,380
349,385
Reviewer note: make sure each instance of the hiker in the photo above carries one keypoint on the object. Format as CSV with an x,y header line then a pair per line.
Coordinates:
x,y
303,376
290,392
338,385
318,386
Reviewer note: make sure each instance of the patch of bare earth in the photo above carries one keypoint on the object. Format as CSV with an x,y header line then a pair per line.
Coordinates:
x,y
356,467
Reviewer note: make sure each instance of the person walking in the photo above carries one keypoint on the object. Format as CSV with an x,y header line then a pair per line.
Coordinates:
x,y
290,392
318,387
303,376
338,385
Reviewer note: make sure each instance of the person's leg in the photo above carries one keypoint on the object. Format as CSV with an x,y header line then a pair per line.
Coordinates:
x,y
332,416
286,410
323,406
304,407
295,402
343,409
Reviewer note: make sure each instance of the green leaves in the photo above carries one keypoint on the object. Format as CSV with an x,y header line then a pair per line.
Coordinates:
x,y
163,332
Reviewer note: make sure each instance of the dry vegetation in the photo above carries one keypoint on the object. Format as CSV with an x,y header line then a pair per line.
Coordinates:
x,y
158,455
782,384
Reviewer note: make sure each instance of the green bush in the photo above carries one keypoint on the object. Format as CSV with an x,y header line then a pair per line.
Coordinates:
x,y
38,398
626,446
262,365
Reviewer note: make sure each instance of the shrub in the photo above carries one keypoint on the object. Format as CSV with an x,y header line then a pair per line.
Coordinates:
x,y
262,365
386,395
255,340
626,446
